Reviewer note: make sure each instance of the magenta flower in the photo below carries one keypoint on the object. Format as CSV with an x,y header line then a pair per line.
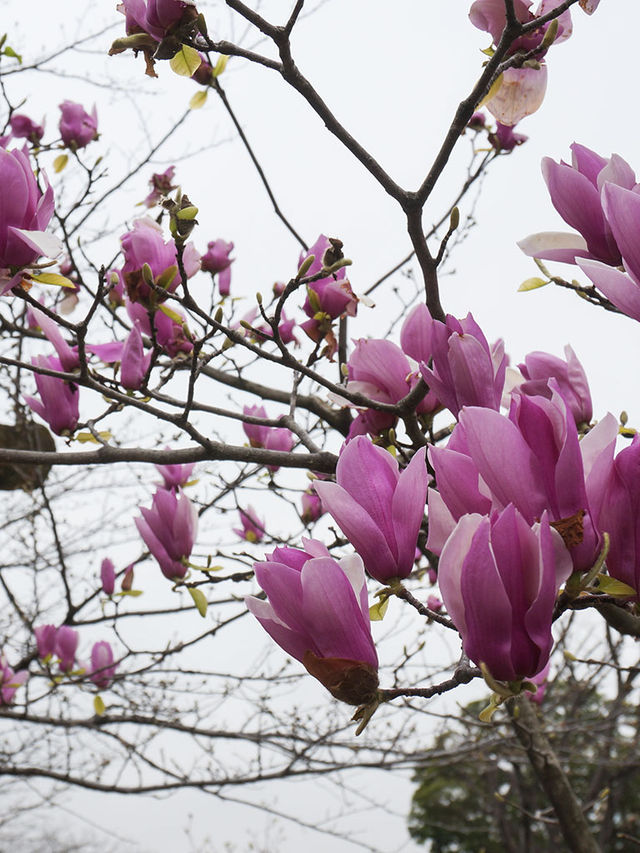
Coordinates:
x,y
571,381
77,127
252,526
504,138
332,295
66,647
169,530
575,191
533,460
10,681
622,209
216,260
22,127
499,578
271,438
58,403
155,17
67,354
175,476
107,576
378,508
616,510
161,186
417,335
317,611
522,90
466,370
135,363
46,641
103,668
24,214
312,507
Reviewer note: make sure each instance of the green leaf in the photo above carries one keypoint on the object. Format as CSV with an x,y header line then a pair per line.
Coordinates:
x,y
167,277
60,162
186,61
532,284
9,51
88,438
172,314
611,586
198,100
53,278
98,705
220,65
377,610
132,592
199,600
187,213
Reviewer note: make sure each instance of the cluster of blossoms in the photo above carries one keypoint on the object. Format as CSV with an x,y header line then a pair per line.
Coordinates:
x,y
62,644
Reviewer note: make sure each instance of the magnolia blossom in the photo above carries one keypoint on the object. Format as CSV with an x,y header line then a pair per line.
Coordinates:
x,y
216,260
77,127
520,91
46,641
271,438
24,214
175,476
145,248
161,186
66,647
22,127
102,669
622,209
318,612
498,578
570,381
10,681
135,363
576,192
466,371
67,354
548,470
169,530
252,525
107,576
58,403
312,507
378,508
616,510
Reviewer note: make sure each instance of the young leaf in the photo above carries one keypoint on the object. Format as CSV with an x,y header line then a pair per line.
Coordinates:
x,y
198,100
98,705
199,600
532,284
186,61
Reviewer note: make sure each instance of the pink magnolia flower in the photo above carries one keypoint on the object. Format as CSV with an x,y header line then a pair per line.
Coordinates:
x,y
161,185
169,327
312,507
175,476
66,647
522,89
107,576
622,209
58,403
576,193
22,127
499,578
155,17
317,611
77,127
46,641
103,668
169,530
135,363
252,525
466,371
67,354
504,138
570,381
533,460
378,508
144,246
616,510
270,438
216,260
25,212
10,681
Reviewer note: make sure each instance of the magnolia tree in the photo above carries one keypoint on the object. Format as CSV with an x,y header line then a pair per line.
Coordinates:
x,y
349,471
